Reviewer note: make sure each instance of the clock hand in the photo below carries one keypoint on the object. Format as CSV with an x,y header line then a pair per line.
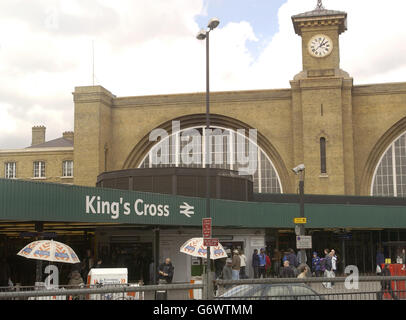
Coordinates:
x,y
322,43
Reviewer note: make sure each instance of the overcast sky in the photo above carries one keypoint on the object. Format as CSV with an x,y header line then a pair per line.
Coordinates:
x,y
145,47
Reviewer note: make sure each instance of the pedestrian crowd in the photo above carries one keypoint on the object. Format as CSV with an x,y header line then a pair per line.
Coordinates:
x,y
281,264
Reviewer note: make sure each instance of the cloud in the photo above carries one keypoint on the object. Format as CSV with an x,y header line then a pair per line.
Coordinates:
x,y
149,47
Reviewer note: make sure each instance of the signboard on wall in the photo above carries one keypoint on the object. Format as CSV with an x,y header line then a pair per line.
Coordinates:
x,y
257,242
210,242
206,225
304,242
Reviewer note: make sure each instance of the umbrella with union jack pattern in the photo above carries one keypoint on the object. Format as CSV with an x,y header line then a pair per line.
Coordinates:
x,y
49,250
195,247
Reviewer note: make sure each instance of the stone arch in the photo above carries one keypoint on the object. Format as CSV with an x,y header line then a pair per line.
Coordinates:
x,y
144,145
376,154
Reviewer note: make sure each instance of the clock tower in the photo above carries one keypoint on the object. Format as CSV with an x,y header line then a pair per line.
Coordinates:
x,y
322,104
320,30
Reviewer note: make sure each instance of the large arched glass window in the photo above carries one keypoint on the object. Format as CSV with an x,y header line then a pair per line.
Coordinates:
x,y
226,150
390,175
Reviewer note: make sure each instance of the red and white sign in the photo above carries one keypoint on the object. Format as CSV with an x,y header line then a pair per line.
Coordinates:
x,y
210,242
206,223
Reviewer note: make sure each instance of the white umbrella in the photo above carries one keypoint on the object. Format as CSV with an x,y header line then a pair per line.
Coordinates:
x,y
195,247
49,250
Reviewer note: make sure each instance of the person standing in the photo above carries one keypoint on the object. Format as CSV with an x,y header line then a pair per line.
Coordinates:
x,y
5,273
165,271
333,264
292,258
380,260
303,271
300,259
267,266
236,265
316,269
276,262
333,261
243,259
262,264
287,270
386,284
327,272
255,263
75,281
226,274
87,264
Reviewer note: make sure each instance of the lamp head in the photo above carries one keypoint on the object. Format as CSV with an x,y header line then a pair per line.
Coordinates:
x,y
299,168
213,23
201,35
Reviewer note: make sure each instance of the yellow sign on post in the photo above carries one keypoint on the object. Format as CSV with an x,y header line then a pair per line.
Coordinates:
x,y
300,220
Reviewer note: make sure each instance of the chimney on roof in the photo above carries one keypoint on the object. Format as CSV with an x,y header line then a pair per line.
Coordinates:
x,y
68,135
38,135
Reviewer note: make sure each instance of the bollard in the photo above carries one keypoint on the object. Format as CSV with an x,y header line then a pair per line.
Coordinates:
x,y
161,294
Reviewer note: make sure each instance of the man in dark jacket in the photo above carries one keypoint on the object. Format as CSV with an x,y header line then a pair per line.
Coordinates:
x,y
292,258
255,263
165,271
287,270
386,284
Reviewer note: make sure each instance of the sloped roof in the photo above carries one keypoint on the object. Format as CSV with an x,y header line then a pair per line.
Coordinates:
x,y
319,13
56,143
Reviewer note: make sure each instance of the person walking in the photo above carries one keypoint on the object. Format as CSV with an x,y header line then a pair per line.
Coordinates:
x,y
255,263
316,268
243,259
276,262
262,264
386,284
165,272
236,265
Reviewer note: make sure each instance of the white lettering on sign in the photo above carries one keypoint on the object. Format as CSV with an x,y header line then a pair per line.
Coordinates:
x,y
97,205
186,209
143,209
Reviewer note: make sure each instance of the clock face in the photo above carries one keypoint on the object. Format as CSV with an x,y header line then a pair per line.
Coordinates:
x,y
320,46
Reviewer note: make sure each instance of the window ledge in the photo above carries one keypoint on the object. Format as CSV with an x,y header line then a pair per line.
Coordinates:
x,y
38,178
323,175
70,177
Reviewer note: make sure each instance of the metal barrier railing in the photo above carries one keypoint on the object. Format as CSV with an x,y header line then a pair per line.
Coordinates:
x,y
335,288
339,288
95,292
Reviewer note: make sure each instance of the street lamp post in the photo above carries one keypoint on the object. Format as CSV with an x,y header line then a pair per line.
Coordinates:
x,y
204,34
300,170
302,226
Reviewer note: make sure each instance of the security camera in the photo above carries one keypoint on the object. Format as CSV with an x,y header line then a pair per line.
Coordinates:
x,y
299,168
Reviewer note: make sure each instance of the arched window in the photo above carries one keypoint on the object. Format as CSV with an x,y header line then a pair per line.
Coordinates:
x,y
390,175
323,157
227,147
